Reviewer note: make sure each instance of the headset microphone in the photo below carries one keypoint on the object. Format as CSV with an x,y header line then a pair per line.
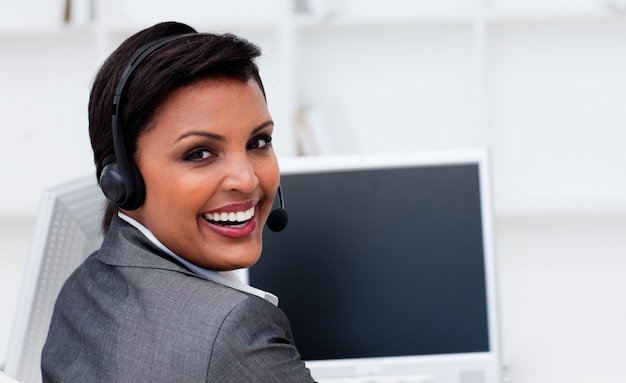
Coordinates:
x,y
277,220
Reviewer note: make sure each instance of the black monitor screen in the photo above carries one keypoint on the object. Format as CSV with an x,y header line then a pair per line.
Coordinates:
x,y
380,262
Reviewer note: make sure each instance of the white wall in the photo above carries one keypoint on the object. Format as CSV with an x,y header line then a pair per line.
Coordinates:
x,y
556,92
562,297
45,86
543,88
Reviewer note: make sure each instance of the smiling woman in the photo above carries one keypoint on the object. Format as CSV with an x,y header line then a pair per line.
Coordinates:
x,y
190,174
209,154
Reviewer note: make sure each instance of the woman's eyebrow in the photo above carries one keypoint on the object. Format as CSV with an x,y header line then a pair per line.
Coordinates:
x,y
261,127
219,137
211,136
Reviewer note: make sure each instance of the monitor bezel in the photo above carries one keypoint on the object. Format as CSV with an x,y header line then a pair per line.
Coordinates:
x,y
446,367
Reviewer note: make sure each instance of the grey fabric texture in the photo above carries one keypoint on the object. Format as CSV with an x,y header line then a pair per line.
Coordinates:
x,y
130,313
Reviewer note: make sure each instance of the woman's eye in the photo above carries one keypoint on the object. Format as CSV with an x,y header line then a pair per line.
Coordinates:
x,y
260,142
198,155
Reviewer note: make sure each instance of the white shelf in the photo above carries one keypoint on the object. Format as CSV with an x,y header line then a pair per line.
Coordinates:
x,y
61,30
294,21
206,25
386,18
551,15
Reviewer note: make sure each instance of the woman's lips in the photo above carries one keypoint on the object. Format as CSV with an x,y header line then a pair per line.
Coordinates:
x,y
233,221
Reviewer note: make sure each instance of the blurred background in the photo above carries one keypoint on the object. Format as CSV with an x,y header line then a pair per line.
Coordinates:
x,y
540,83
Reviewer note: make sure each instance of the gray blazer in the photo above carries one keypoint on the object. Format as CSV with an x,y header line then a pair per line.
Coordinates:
x,y
130,313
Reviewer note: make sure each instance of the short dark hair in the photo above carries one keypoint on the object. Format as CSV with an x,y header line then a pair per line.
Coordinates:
x,y
181,62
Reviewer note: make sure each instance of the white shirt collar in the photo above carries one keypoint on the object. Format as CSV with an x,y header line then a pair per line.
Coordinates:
x,y
226,278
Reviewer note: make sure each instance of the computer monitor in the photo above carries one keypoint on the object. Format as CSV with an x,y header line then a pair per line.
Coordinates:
x,y
386,268
67,229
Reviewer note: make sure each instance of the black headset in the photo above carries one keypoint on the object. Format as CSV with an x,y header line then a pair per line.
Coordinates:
x,y
120,179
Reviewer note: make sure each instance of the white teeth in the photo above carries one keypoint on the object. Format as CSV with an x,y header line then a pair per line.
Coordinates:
x,y
240,216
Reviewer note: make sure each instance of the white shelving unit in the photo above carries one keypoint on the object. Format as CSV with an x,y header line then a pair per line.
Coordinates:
x,y
361,76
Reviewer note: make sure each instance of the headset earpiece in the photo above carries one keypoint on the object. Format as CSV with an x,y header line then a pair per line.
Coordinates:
x,y
112,183
126,194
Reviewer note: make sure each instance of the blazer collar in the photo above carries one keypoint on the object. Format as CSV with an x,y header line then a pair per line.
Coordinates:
x,y
124,245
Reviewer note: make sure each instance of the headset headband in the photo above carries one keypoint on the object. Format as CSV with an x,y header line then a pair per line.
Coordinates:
x,y
121,157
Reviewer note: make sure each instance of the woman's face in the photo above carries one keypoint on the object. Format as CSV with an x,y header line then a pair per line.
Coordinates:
x,y
210,173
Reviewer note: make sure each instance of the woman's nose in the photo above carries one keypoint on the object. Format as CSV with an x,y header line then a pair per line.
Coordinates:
x,y
240,175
